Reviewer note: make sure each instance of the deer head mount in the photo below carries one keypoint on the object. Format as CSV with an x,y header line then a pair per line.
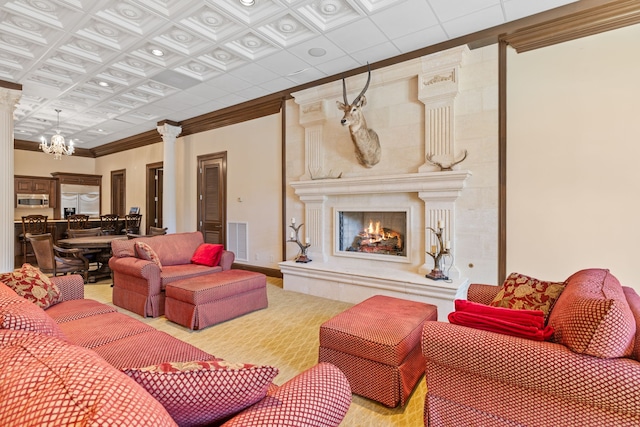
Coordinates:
x,y
445,166
365,140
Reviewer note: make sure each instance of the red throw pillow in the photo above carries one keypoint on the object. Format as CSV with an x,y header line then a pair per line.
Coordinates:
x,y
524,292
18,313
146,252
208,254
202,392
33,285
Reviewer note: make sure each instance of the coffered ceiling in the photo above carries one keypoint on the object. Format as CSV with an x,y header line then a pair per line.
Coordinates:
x,y
94,61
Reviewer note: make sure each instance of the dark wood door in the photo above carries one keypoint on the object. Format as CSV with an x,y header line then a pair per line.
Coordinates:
x,y
154,196
118,192
212,197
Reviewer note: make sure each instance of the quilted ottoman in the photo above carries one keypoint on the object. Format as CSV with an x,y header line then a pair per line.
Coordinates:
x,y
203,301
376,343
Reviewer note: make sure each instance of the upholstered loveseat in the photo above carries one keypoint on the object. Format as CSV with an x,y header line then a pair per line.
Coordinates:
x,y
80,362
138,283
587,374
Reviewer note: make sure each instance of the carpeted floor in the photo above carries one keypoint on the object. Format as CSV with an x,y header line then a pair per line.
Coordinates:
x,y
284,335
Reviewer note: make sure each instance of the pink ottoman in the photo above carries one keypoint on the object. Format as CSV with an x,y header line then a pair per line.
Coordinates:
x,y
203,301
377,345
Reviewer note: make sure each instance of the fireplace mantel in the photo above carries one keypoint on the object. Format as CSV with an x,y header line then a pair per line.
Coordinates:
x,y
441,184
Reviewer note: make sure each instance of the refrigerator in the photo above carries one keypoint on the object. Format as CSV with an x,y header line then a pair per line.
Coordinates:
x,y
80,199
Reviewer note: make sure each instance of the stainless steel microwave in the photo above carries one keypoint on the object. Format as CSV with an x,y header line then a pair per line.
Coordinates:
x,y
32,200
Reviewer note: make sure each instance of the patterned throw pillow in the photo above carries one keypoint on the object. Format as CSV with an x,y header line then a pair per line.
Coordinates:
x,y
201,392
208,254
146,252
19,314
526,293
33,285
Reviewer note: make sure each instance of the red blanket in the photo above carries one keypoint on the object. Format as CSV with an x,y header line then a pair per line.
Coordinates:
x,y
520,323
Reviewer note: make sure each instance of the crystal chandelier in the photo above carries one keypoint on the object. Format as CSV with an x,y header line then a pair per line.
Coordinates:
x,y
57,146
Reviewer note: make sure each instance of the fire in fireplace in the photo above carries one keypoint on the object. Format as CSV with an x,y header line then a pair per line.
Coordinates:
x,y
379,232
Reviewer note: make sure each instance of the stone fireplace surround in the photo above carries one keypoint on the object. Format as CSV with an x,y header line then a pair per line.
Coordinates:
x,y
429,194
353,281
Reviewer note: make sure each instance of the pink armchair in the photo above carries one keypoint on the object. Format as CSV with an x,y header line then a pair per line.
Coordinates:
x,y
476,377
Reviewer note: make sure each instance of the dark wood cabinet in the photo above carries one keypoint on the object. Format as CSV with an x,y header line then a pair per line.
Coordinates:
x,y
77,178
36,185
33,185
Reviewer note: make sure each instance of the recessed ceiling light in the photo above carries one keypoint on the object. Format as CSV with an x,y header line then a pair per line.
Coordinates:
x,y
317,51
157,52
247,2
103,84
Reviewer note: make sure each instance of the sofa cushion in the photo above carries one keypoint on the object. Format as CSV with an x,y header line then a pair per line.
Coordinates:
x,y
172,249
527,293
19,314
592,316
33,285
199,392
46,381
634,303
208,254
147,253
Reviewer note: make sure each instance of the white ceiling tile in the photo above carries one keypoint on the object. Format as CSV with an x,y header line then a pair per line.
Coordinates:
x,y
407,17
356,36
217,52
476,21
447,10
421,39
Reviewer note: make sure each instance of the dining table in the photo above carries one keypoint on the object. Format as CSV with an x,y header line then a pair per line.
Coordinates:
x,y
102,244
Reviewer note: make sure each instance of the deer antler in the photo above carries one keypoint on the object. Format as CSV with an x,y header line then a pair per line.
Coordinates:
x,y
429,158
366,86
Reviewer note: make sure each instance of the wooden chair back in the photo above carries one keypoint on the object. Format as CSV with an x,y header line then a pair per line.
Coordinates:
x,y
132,223
109,223
77,221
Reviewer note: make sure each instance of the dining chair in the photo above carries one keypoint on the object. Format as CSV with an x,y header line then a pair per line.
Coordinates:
x,y
93,254
55,260
32,224
109,223
157,231
77,221
132,223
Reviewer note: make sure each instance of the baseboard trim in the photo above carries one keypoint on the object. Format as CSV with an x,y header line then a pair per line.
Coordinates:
x,y
271,272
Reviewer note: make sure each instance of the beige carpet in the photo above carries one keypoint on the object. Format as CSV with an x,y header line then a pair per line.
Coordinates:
x,y
284,335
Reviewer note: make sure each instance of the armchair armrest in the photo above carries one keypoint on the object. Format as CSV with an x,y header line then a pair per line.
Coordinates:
x,y
546,367
227,260
318,397
71,286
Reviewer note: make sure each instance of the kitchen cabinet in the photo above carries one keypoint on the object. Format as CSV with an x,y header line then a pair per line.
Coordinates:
x,y
32,185
35,185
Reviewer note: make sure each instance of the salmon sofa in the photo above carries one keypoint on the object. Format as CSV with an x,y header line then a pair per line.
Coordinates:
x,y
139,284
80,362
587,374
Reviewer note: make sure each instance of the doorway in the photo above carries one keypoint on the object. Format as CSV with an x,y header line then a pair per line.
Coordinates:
x,y
212,197
118,192
154,196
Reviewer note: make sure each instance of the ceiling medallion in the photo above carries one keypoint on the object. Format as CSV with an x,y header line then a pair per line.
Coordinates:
x,y
57,146
247,2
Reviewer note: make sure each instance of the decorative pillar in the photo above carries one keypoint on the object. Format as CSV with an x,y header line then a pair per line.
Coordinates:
x,y
437,90
313,115
314,211
9,98
169,205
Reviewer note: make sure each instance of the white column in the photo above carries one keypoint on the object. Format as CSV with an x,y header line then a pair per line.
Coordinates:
x,y
314,214
169,205
8,100
438,89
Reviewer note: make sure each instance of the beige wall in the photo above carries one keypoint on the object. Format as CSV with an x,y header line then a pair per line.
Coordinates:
x,y
253,176
573,182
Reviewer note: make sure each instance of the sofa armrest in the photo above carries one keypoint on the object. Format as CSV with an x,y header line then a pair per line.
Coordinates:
x,y
318,397
135,267
482,294
227,260
71,286
546,367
